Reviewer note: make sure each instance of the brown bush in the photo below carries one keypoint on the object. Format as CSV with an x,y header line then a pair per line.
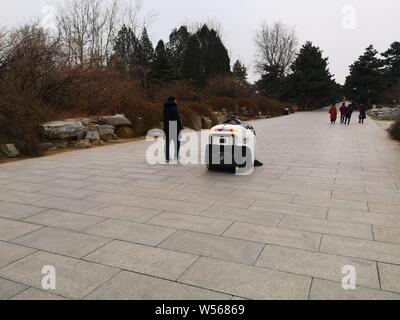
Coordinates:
x,y
20,120
394,130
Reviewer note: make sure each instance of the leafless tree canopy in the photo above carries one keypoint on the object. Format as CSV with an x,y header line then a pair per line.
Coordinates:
x,y
88,27
276,46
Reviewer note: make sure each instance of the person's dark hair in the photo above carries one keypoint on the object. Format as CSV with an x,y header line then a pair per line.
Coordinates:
x,y
171,99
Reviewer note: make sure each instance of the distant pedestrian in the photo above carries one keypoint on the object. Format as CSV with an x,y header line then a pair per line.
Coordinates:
x,y
172,127
333,112
363,114
349,113
343,111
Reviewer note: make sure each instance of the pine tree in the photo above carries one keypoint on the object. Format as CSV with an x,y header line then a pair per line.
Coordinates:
x,y
161,69
310,82
272,82
126,49
146,50
176,49
205,57
392,65
364,84
239,71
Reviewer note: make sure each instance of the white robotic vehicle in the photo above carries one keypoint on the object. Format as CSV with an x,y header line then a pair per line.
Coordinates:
x,y
231,145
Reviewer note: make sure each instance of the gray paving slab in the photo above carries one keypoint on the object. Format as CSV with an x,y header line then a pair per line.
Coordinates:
x,y
363,249
131,232
64,242
389,275
213,246
64,220
33,294
9,289
65,204
318,265
323,226
249,282
143,259
74,278
133,286
242,215
17,211
10,253
123,212
272,235
191,223
10,229
328,290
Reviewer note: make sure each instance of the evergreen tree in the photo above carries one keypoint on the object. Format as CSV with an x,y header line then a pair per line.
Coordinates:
x,y
126,49
176,49
205,57
392,71
310,82
364,84
146,50
239,71
272,81
161,69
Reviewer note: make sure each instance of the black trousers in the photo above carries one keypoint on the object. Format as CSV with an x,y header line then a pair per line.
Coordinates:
x,y
177,145
342,118
347,120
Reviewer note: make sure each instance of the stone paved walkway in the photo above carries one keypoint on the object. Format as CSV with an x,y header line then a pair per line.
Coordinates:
x,y
117,228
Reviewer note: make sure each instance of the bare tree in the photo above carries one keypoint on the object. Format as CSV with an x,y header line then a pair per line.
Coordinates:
x,y
276,47
88,28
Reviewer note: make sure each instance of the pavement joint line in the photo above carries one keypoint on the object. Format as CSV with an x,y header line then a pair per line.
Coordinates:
x,y
309,291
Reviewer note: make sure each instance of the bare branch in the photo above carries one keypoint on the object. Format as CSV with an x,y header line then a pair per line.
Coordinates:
x,y
276,46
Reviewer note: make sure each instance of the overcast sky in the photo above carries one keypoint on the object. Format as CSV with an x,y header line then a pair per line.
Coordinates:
x,y
328,23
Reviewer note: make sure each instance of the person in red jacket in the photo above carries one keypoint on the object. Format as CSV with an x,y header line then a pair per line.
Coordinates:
x,y
343,112
333,112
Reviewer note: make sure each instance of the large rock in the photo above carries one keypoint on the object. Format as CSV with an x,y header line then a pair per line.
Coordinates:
x,y
83,144
125,132
107,132
388,114
9,150
93,135
116,121
64,130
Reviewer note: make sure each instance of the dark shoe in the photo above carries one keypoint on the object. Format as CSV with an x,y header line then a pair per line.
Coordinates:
x,y
258,163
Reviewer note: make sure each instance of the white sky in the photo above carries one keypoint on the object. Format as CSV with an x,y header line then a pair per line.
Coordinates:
x,y
320,21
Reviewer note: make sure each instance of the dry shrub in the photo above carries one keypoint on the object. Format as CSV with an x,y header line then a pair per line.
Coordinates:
x,y
394,130
229,87
182,90
20,120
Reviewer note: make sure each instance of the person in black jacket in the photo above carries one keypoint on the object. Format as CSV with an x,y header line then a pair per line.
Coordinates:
x,y
349,113
172,127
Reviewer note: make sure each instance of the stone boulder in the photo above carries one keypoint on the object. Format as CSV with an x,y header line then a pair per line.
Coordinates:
x,y
83,144
116,121
106,132
385,114
61,130
125,132
93,135
9,150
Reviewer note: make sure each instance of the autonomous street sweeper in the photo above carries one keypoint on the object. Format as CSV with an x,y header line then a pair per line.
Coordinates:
x,y
232,145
